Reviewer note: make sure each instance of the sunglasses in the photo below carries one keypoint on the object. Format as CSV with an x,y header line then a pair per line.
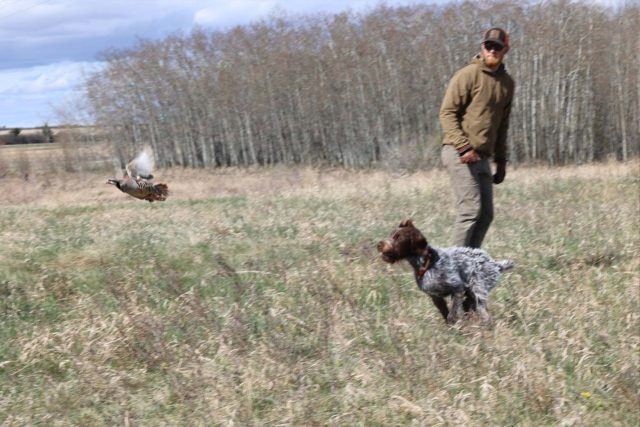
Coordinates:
x,y
493,46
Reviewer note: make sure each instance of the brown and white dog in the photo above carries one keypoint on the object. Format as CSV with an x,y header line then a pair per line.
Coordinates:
x,y
465,274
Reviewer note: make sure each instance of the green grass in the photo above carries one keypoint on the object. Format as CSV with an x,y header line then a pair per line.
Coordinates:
x,y
274,308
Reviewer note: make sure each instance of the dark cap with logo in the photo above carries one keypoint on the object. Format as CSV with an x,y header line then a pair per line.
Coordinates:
x,y
496,35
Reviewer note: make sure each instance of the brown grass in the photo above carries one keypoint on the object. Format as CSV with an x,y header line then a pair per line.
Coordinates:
x,y
62,189
255,296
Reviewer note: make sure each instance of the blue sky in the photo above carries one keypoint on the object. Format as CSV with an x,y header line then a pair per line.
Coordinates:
x,y
48,46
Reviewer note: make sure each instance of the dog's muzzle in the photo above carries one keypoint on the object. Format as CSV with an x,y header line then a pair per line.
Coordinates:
x,y
386,250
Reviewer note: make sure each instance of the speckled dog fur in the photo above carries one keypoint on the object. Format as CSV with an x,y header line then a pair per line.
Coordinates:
x,y
465,274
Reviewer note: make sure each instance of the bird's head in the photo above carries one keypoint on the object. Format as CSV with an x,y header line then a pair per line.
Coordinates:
x,y
114,181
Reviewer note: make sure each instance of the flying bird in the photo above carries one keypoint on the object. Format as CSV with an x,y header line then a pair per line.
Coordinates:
x,y
136,181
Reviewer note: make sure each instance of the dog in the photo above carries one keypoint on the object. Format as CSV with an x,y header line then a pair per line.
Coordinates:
x,y
465,274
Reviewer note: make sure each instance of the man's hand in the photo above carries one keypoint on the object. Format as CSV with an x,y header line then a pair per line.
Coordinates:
x,y
501,172
470,157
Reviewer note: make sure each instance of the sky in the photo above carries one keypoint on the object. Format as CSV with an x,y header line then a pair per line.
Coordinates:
x,y
48,47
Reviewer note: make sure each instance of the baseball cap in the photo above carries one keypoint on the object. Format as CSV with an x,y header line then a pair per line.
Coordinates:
x,y
496,35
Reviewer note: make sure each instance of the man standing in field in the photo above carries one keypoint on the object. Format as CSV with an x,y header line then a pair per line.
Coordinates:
x,y
475,118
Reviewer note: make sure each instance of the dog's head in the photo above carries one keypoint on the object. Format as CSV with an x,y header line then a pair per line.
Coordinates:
x,y
404,242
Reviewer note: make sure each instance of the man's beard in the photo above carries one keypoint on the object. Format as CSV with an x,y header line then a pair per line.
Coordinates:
x,y
491,61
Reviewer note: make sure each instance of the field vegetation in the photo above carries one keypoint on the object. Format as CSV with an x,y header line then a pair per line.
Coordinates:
x,y
255,296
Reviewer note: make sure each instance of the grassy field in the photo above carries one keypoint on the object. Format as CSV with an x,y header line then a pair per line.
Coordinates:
x,y
28,160
256,297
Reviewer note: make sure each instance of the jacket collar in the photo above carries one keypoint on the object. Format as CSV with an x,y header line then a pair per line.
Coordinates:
x,y
479,61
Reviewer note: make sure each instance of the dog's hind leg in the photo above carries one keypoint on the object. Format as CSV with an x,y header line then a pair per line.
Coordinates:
x,y
456,304
485,317
470,302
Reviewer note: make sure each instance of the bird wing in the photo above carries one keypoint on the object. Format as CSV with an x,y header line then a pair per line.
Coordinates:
x,y
142,165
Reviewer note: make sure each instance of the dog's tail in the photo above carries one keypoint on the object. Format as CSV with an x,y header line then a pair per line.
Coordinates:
x,y
505,265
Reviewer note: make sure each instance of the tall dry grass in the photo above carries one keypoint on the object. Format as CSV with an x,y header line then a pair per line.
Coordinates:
x,y
256,297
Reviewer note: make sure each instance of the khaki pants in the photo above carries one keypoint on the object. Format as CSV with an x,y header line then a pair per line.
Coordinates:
x,y
473,190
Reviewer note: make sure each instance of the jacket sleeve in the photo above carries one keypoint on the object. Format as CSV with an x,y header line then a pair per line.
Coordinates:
x,y
454,104
500,150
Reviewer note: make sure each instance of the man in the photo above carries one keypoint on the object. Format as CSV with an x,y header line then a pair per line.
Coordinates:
x,y
475,118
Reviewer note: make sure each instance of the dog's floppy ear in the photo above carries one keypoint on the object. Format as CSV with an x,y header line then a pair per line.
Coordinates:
x,y
406,223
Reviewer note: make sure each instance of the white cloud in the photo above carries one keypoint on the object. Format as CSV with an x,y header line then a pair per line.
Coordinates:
x,y
28,95
224,14
45,78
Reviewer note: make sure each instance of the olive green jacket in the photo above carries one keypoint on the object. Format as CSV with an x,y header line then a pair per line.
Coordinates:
x,y
475,110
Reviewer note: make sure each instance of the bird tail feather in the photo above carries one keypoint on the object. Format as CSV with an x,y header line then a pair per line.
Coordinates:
x,y
161,191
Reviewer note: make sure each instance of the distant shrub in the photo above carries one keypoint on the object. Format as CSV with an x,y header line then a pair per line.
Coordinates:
x,y
47,134
13,138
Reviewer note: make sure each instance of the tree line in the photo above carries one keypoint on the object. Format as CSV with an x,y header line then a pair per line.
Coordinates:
x,y
16,136
352,89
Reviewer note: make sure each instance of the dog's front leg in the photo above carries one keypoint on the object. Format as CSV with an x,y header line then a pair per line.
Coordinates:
x,y
441,303
456,304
